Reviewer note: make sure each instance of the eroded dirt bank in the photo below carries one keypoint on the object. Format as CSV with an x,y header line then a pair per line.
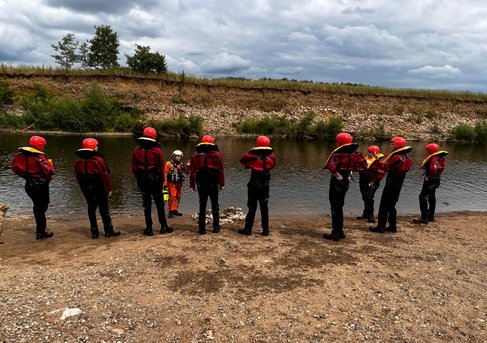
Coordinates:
x,y
424,284
222,108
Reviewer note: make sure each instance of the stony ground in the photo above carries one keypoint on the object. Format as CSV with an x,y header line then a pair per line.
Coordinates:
x,y
423,284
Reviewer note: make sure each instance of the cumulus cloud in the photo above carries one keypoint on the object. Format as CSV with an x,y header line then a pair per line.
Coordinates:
x,y
388,43
104,6
446,71
289,70
225,63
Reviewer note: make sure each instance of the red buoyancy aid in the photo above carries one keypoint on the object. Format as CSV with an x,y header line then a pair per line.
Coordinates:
x,y
92,163
258,161
147,158
434,167
399,164
339,162
376,170
211,159
32,163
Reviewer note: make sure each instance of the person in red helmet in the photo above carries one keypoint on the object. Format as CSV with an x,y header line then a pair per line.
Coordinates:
x,y
341,162
369,181
433,166
207,174
93,176
148,169
260,159
397,164
32,164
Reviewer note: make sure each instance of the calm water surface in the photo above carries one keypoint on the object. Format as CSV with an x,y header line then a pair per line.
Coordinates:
x,y
299,186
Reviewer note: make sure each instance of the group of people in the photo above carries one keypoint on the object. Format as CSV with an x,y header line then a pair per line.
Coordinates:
x,y
155,177
372,168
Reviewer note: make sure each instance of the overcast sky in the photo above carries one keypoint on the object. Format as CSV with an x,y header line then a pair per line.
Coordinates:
x,y
395,43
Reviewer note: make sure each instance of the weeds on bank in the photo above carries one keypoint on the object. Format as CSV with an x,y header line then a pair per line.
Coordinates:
x,y
468,133
265,83
304,128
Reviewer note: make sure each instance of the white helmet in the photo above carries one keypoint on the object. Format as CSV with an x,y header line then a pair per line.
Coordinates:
x,y
177,153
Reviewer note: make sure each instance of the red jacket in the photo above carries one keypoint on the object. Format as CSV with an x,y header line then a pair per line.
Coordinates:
x,y
376,171
342,162
206,157
434,167
92,163
259,160
147,157
398,164
32,163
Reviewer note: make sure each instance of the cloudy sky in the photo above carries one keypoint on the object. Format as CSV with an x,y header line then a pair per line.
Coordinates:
x,y
405,44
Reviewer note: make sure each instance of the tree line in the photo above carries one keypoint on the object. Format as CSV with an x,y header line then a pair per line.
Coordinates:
x,y
101,52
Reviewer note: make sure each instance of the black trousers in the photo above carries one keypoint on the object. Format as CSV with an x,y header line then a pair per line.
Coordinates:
x,y
258,192
38,191
388,201
368,194
338,189
97,197
151,187
208,189
427,199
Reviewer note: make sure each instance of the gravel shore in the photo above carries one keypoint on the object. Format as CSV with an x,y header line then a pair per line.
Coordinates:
x,y
423,284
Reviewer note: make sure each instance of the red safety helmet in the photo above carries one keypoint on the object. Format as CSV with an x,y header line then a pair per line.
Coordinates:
x,y
90,143
431,148
344,138
398,142
263,142
373,149
150,132
37,142
207,139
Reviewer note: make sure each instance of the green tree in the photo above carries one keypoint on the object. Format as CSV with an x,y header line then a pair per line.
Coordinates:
x,y
103,48
66,51
83,56
145,61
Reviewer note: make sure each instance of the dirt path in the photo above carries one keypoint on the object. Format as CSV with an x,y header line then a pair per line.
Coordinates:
x,y
423,284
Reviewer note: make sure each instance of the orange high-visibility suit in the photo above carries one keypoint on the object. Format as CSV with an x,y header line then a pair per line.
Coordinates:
x,y
174,177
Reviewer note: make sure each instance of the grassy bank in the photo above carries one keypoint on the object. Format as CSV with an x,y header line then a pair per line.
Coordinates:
x,y
95,112
244,83
280,126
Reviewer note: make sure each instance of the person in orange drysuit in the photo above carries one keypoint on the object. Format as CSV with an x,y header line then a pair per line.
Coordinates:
x,y
174,173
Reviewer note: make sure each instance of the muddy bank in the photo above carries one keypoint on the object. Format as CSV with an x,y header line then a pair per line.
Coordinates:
x,y
222,108
425,284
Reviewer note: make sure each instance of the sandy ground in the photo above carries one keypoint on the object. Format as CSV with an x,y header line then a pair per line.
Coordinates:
x,y
423,284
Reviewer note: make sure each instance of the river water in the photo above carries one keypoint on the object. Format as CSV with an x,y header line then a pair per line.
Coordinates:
x,y
299,186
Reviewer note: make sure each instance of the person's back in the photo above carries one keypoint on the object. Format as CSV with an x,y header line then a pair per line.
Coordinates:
x,y
208,177
260,159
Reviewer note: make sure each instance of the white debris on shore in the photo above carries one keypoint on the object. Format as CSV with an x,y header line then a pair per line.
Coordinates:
x,y
228,215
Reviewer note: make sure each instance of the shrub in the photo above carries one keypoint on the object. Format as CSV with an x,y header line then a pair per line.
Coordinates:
x,y
328,129
481,131
6,93
463,132
180,126
302,128
13,121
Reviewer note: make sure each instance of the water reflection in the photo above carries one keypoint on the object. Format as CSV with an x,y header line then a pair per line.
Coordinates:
x,y
298,185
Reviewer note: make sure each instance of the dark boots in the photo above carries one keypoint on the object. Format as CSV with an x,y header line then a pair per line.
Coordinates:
x,y
95,233
45,234
166,229
111,233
